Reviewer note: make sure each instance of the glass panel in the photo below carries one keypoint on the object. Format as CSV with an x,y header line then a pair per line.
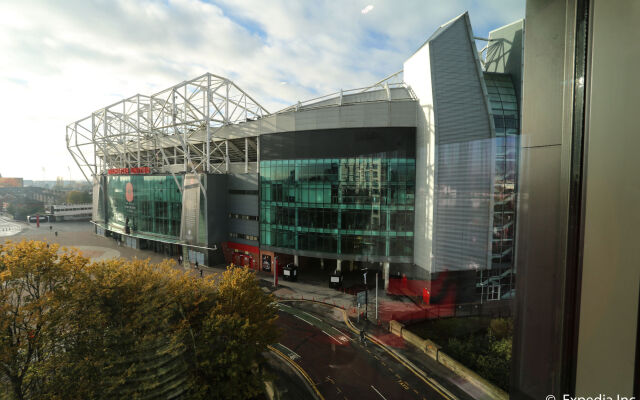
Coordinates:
x,y
365,190
155,206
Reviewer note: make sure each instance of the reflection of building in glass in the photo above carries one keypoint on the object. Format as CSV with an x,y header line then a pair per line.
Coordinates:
x,y
499,280
359,206
414,176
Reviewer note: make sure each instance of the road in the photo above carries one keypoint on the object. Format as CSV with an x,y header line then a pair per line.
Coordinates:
x,y
317,338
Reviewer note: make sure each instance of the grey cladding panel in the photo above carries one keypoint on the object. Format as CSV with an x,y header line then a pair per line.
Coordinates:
x,y
243,181
463,205
404,113
461,110
244,226
190,209
464,152
243,204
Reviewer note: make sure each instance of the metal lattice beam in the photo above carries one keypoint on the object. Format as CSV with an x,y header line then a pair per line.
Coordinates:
x,y
161,131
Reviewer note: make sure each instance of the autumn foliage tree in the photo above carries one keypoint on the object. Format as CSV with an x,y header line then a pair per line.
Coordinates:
x,y
31,273
233,336
127,329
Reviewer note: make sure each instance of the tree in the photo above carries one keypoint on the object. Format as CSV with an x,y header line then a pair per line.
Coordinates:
x,y
25,207
128,329
30,275
123,336
234,333
78,197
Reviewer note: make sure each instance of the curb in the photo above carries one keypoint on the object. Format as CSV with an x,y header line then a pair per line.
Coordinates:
x,y
299,371
399,357
404,361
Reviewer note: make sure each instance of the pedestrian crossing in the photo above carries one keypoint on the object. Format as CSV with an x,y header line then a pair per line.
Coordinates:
x,y
8,228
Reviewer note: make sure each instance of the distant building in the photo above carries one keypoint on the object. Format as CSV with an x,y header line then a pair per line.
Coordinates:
x,y
11,182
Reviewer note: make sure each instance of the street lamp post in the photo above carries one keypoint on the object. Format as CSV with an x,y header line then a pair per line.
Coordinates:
x,y
366,295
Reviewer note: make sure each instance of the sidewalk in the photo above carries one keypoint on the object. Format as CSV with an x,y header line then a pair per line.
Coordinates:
x,y
390,307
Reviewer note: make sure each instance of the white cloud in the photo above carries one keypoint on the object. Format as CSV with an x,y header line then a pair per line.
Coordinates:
x,y
367,9
62,60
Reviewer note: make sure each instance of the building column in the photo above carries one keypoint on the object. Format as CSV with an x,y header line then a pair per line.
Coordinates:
x,y
246,155
385,274
295,259
226,155
338,265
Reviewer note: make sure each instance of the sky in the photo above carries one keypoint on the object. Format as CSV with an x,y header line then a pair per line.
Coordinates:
x,y
62,60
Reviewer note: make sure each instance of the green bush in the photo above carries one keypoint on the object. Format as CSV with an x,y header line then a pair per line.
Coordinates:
x,y
501,328
487,351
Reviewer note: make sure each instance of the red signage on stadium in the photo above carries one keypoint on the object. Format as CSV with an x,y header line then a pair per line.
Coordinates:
x,y
129,192
126,171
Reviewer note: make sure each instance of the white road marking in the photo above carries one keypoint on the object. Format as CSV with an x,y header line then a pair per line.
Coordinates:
x,y
292,354
302,319
312,316
343,336
338,341
339,331
380,394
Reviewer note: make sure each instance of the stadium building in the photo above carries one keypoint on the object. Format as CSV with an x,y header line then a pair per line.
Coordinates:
x,y
414,176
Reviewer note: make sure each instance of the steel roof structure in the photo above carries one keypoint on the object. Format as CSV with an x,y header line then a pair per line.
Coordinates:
x,y
182,129
175,125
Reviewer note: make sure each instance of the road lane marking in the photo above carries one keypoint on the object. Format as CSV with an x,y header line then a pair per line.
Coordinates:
x,y
312,316
292,354
379,394
337,341
426,379
404,384
302,319
297,368
339,331
418,373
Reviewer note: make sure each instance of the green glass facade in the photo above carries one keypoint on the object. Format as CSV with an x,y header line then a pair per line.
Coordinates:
x,y
154,206
358,206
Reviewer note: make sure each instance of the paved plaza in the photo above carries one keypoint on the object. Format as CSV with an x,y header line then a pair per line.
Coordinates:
x,y
78,235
